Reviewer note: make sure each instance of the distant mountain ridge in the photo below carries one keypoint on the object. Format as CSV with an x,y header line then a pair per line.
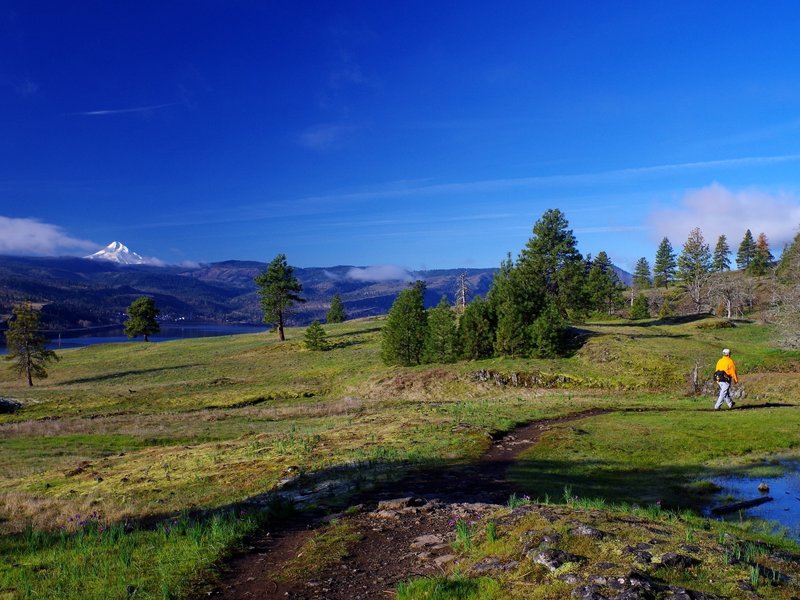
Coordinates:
x,y
79,292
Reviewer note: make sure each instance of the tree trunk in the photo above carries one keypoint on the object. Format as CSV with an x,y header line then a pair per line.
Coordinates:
x,y
28,371
281,337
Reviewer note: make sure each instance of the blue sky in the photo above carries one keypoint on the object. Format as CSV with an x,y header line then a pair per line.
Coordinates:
x,y
417,134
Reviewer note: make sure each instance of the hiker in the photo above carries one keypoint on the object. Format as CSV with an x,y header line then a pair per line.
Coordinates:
x,y
724,374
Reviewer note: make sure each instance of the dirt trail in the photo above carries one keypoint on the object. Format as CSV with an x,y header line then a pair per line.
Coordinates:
x,y
382,557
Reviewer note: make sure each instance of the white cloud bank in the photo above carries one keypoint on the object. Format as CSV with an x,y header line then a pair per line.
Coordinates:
x,y
29,236
379,273
717,210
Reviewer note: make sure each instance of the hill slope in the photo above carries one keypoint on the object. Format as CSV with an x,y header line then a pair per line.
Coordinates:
x,y
78,292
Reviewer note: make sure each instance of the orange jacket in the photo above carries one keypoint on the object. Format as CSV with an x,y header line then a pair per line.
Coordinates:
x,y
726,364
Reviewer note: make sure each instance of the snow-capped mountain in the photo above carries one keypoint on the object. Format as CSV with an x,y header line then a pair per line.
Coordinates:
x,y
120,254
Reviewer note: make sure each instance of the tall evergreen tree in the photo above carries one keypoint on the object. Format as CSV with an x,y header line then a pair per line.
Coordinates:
x,y
550,263
403,335
476,330
721,261
315,337
789,265
603,288
440,339
27,347
787,312
506,300
747,251
641,274
664,265
640,309
336,312
142,315
548,333
279,290
763,259
694,266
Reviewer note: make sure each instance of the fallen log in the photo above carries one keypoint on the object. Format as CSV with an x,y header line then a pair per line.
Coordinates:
x,y
729,508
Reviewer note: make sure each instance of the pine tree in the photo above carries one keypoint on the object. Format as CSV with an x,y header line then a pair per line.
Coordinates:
x,y
440,341
315,337
142,315
476,330
640,308
664,265
721,262
763,259
26,345
694,266
279,290
641,274
787,312
747,251
788,270
506,299
603,288
403,336
550,263
548,333
336,313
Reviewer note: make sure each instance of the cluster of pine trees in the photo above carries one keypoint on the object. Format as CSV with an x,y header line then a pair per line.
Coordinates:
x,y
701,273
525,313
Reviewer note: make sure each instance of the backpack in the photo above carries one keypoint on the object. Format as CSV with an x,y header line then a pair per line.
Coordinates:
x,y
721,376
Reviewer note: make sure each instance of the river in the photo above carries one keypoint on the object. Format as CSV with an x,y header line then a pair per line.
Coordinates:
x,y
77,338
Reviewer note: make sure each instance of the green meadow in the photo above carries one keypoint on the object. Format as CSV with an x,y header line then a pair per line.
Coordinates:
x,y
134,455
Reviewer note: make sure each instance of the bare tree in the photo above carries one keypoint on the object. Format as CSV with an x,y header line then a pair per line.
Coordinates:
x,y
462,292
734,291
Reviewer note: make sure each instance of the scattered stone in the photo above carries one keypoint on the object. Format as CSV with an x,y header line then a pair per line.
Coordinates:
x,y
569,578
425,541
494,564
605,566
555,559
9,405
444,559
681,561
690,548
387,514
551,538
401,503
587,531
588,592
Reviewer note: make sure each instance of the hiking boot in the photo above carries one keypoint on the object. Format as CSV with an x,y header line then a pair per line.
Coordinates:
x,y
732,404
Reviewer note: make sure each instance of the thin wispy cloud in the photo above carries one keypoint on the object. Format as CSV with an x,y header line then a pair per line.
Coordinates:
x,y
122,111
324,136
717,210
592,178
30,236
380,273
611,229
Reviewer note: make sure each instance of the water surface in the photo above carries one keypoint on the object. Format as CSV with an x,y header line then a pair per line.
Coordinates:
x,y
77,338
784,510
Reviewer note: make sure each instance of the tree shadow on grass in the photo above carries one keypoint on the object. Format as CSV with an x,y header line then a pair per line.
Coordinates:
x,y
121,374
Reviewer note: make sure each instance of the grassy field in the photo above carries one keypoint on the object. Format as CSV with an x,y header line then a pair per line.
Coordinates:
x,y
160,444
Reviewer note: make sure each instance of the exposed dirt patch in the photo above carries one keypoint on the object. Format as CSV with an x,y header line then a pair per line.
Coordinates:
x,y
405,527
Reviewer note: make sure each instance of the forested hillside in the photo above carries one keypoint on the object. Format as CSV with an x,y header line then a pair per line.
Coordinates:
x,y
81,293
